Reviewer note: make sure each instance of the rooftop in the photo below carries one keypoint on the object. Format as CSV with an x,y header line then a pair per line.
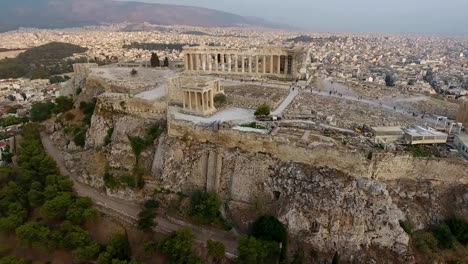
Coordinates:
x,y
421,131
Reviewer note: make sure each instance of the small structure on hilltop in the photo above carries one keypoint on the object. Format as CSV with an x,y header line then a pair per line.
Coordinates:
x,y
461,142
422,135
387,134
195,94
273,62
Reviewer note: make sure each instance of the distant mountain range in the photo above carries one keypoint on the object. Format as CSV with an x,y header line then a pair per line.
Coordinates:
x,y
71,13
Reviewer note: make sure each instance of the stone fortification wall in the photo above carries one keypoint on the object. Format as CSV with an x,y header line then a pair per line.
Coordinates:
x,y
383,166
281,148
125,104
388,166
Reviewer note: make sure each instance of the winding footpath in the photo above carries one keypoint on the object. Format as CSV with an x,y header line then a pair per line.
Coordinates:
x,y
129,210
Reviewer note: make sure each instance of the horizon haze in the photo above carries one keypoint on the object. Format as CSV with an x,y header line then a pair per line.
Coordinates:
x,y
399,16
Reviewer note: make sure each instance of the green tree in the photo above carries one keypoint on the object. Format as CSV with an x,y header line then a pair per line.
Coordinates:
x,y
33,234
155,60
216,250
138,145
220,100
14,260
88,252
63,104
444,236
119,247
204,207
459,229
178,246
257,251
81,211
166,62
267,227
80,138
16,215
263,110
35,194
87,108
389,80
58,206
73,236
41,111
146,219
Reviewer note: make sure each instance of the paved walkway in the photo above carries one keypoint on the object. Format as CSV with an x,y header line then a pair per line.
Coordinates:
x,y
286,102
234,114
130,210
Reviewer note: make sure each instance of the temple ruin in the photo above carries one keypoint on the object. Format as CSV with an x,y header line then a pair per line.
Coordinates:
x,y
273,62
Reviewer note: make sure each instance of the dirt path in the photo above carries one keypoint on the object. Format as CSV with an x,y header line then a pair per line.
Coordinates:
x,y
130,210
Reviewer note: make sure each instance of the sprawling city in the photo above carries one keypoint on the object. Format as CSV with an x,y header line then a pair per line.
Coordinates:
x,y
227,141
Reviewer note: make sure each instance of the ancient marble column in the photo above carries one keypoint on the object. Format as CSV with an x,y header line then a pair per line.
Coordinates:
x,y
286,62
212,99
236,61
192,62
184,94
190,100
250,63
243,64
210,62
264,64
279,64
203,61
203,101
256,64
271,63
229,62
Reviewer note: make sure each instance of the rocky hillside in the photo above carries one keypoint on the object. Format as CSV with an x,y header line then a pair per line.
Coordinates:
x,y
69,13
326,210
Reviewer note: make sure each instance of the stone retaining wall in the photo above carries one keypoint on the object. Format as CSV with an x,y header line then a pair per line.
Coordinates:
x,y
383,166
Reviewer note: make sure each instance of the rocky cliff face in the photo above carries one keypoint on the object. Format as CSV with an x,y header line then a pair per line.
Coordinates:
x,y
329,207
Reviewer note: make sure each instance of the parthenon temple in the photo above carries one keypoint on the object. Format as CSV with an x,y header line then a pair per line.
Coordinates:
x,y
276,62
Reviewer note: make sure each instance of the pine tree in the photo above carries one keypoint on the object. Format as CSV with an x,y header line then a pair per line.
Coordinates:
x,y
166,62
155,60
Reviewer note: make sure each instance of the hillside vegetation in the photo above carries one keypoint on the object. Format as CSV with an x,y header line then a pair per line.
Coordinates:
x,y
41,62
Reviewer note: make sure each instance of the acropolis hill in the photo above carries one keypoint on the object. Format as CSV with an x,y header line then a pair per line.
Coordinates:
x,y
318,161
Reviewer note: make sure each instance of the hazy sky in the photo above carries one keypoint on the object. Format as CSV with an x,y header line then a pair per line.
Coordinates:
x,y
406,16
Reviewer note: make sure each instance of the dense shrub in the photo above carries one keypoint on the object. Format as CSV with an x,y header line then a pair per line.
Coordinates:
x,y
406,225
267,227
216,250
63,104
263,110
178,247
257,251
444,236
204,207
220,100
41,111
110,181
425,242
87,108
459,229
108,138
